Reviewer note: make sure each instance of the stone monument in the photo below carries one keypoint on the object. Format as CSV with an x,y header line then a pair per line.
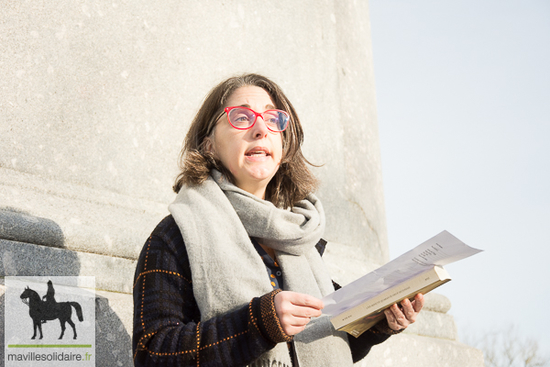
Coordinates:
x,y
96,98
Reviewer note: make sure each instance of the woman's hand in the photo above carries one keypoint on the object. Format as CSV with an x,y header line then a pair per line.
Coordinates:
x,y
295,310
401,317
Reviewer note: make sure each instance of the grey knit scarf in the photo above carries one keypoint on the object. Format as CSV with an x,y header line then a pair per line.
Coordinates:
x,y
216,220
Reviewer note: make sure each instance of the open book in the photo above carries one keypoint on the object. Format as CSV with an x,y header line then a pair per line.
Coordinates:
x,y
358,306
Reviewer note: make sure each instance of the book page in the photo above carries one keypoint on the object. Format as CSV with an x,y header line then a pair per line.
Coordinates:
x,y
440,250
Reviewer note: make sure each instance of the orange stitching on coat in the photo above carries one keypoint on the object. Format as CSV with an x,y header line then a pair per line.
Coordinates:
x,y
160,271
143,347
143,287
223,340
251,316
274,311
198,342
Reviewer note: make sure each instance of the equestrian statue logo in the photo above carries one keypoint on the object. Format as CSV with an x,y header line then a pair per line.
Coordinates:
x,y
46,309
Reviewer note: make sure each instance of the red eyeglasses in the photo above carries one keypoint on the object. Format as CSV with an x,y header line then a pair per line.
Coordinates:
x,y
243,118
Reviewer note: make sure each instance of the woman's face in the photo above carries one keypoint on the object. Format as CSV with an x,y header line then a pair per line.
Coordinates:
x,y
252,156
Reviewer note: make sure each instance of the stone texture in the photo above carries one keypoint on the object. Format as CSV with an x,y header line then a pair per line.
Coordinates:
x,y
405,350
47,212
113,329
437,302
99,96
435,325
112,273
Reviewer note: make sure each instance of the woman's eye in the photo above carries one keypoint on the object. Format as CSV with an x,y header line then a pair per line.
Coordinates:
x,y
271,118
241,118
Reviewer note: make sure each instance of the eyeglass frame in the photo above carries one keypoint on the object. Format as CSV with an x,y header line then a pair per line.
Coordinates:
x,y
226,110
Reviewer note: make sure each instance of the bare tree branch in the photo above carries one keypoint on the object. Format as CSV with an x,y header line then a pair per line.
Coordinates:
x,y
507,349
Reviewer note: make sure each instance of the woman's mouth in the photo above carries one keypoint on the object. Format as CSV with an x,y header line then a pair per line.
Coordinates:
x,y
257,152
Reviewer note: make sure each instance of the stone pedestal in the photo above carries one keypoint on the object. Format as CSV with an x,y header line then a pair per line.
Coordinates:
x,y
431,341
95,100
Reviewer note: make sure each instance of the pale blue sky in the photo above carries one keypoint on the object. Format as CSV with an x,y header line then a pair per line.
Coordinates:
x,y
463,95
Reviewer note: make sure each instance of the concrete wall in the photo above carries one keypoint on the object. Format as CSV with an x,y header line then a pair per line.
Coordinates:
x,y
96,97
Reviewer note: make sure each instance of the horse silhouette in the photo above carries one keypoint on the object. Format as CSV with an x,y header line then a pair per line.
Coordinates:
x,y
40,311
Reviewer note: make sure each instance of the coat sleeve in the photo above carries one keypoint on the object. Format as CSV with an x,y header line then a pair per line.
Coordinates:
x,y
167,327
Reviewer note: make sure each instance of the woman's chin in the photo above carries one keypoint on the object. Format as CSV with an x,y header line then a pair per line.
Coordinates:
x,y
263,173
258,177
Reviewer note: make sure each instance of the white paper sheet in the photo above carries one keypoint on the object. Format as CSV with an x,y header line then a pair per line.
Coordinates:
x,y
440,250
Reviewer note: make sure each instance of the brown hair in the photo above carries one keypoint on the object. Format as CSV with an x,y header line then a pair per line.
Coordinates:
x,y
293,180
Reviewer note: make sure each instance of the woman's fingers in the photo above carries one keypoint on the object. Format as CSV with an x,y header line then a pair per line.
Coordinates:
x,y
418,302
400,317
408,311
295,310
393,318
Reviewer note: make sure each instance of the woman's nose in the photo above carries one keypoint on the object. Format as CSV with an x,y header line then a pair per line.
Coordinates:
x,y
259,130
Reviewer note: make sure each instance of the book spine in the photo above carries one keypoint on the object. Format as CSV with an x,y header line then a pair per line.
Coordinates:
x,y
390,296
358,327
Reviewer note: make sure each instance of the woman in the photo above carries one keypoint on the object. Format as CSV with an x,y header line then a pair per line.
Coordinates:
x,y
234,275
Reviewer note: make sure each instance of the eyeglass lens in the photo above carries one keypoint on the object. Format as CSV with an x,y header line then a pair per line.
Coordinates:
x,y
243,118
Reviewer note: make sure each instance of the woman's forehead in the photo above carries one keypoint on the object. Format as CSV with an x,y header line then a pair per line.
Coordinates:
x,y
250,96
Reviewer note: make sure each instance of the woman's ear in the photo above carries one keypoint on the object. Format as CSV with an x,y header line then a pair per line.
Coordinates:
x,y
208,145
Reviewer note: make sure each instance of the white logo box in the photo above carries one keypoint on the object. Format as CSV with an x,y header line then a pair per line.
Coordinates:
x,y
71,292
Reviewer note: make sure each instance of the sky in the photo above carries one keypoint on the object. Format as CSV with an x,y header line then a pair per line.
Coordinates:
x,y
463,98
